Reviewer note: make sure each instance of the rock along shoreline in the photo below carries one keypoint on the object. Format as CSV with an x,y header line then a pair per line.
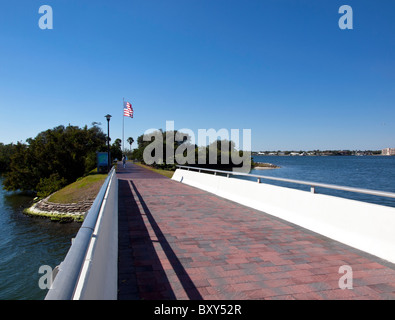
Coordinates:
x,y
62,212
264,166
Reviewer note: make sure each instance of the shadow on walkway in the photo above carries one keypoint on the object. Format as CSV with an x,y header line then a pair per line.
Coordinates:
x,y
141,274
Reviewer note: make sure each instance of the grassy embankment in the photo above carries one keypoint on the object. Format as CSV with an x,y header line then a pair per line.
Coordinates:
x,y
84,188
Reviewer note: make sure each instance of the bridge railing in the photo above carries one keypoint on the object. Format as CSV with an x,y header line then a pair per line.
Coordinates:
x,y
365,226
312,185
89,270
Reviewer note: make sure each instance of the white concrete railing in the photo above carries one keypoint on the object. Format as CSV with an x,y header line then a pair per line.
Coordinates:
x,y
311,184
90,268
365,226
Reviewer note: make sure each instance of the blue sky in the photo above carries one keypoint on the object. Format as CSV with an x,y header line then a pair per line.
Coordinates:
x,y
282,68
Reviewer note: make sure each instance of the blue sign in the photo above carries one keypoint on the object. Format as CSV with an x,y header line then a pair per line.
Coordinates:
x,y
102,161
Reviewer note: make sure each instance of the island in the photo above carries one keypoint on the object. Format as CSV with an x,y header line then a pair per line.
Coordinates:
x,y
263,165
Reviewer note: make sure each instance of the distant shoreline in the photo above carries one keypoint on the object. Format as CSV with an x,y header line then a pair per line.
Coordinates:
x,y
317,154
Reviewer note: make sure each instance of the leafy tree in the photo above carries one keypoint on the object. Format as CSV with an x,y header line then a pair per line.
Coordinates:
x,y
165,137
5,156
54,158
116,150
220,151
130,140
21,174
49,185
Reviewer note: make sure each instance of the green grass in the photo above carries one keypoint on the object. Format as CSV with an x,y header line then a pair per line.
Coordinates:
x,y
84,188
166,173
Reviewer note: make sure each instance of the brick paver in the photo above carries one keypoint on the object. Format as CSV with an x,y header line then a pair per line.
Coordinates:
x,y
179,242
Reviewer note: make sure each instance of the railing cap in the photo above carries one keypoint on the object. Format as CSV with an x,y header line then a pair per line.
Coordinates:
x,y
308,183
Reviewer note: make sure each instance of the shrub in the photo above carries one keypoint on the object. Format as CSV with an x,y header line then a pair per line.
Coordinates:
x,y
46,186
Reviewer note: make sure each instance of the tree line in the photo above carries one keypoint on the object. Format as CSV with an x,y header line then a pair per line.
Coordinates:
x,y
59,156
54,158
219,154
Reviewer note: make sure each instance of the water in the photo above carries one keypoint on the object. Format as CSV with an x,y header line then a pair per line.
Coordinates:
x,y
368,172
27,243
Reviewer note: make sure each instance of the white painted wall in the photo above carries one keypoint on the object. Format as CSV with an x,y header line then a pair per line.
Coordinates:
x,y
99,275
365,226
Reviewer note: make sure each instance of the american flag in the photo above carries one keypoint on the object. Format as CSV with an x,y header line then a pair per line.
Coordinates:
x,y
127,109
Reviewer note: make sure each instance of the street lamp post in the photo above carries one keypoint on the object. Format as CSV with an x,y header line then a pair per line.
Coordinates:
x,y
108,117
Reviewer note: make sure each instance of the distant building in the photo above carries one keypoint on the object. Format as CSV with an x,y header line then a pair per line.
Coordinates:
x,y
388,152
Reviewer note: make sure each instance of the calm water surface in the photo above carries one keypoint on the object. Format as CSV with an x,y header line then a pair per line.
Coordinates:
x,y
368,172
25,244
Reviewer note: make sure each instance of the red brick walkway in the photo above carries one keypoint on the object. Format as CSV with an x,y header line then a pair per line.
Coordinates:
x,y
179,242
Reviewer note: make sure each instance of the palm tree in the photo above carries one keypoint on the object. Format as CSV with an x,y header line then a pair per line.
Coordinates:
x,y
130,140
